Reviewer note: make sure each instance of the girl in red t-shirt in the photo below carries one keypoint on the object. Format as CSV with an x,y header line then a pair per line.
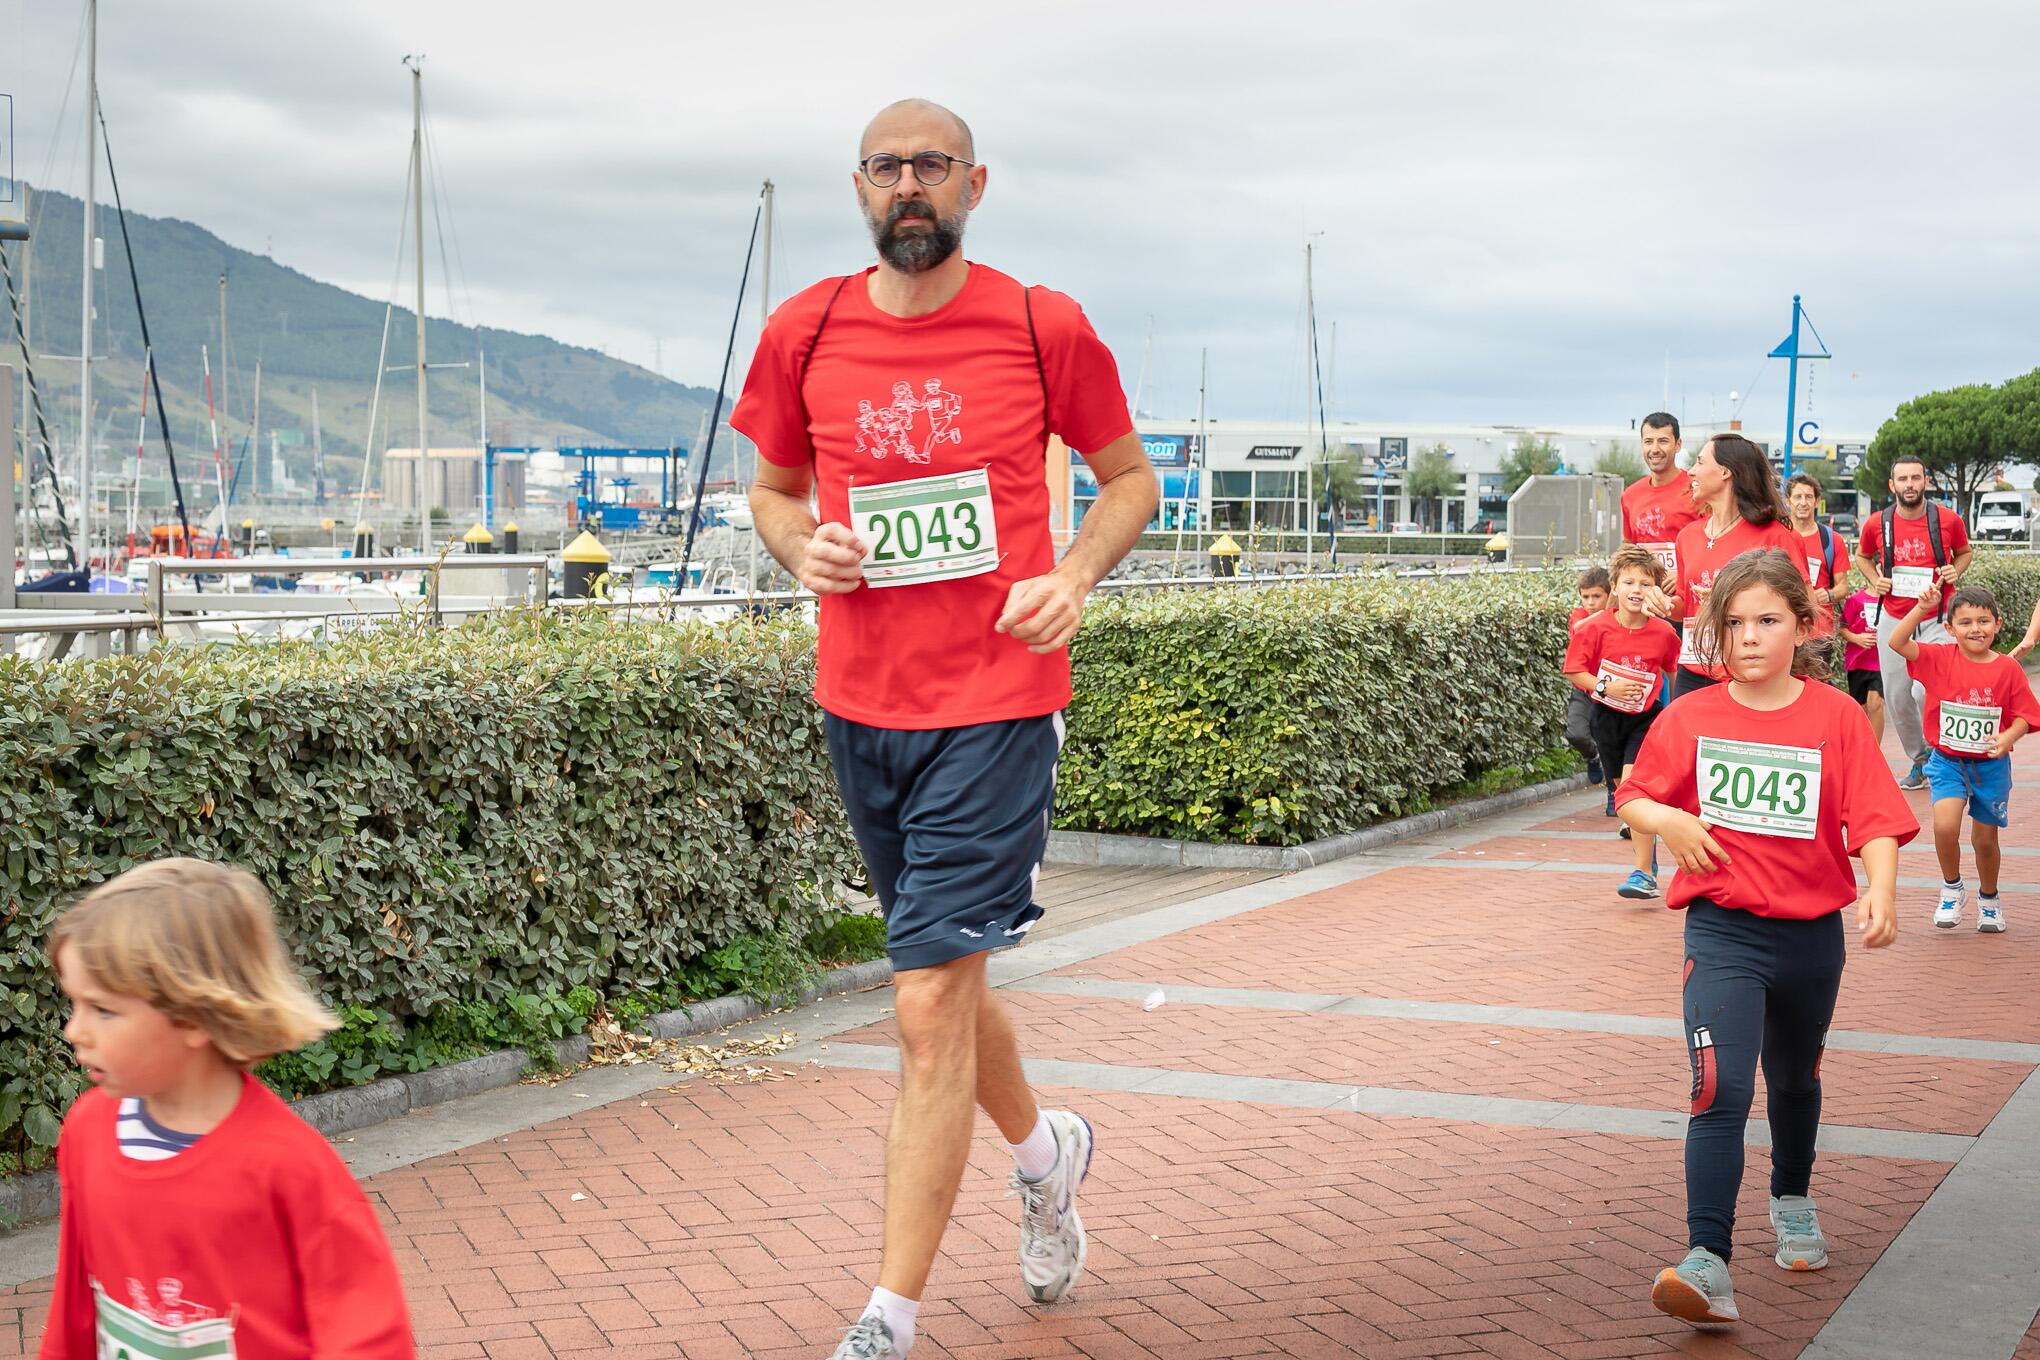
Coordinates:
x,y
1734,484
1762,789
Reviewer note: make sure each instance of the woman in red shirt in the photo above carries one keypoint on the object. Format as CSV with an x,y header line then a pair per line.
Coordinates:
x,y
1762,789
1732,479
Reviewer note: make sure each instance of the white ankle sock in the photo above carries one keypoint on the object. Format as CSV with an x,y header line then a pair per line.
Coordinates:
x,y
899,1315
1036,1154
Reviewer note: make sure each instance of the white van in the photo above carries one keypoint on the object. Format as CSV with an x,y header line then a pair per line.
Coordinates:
x,y
2000,515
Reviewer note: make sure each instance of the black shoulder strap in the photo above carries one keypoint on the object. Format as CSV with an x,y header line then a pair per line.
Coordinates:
x,y
800,382
1889,514
1934,534
1040,369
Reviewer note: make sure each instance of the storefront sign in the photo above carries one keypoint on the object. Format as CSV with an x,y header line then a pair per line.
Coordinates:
x,y
1274,453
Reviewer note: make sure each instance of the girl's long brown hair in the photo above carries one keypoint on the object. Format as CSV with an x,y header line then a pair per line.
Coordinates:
x,y
1762,567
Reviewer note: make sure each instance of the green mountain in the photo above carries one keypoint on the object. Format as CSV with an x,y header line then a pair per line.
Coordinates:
x,y
307,334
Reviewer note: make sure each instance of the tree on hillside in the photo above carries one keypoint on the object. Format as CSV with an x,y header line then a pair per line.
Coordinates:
x,y
1430,480
1619,460
1529,458
1965,436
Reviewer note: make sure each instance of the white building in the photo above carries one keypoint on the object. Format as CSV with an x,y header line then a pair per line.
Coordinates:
x,y
1267,475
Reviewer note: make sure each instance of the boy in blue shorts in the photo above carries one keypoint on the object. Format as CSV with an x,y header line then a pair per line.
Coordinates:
x,y
1978,705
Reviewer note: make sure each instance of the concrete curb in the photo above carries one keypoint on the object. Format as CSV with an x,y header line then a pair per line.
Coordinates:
x,y
33,1198
1099,848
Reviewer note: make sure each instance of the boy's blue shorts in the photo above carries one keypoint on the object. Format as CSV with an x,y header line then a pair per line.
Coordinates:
x,y
1985,784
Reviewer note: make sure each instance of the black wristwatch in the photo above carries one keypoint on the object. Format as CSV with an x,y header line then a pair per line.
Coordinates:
x,y
1601,688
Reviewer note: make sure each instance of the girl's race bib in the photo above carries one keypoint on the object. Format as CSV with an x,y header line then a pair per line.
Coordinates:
x,y
1762,789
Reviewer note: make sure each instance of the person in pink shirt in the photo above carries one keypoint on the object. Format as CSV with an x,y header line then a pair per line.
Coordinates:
x,y
1859,659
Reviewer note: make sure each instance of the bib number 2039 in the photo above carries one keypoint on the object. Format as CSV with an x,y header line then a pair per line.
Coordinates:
x,y
1765,790
926,528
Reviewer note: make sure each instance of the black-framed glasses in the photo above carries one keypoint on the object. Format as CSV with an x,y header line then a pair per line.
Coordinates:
x,y
930,167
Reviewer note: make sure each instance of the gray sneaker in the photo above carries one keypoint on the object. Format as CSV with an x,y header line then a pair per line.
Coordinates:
x,y
869,1339
1051,1234
1696,1289
1915,779
1800,1245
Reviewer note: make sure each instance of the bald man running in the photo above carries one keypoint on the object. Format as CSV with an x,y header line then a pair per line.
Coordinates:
x,y
913,403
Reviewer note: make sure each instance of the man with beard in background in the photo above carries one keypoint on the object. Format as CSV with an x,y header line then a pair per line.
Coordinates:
x,y
943,664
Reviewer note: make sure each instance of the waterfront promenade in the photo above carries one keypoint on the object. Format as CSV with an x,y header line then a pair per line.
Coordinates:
x,y
1420,1103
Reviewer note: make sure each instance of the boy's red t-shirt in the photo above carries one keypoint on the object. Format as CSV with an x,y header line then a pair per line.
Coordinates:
x,y
1652,516
1701,560
1653,648
1858,800
888,398
1911,546
255,1234
1996,682
1818,574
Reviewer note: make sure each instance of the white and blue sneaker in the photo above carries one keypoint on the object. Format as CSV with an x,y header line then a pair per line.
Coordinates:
x,y
1990,917
1696,1289
1638,886
1801,1246
1948,914
868,1339
1052,1243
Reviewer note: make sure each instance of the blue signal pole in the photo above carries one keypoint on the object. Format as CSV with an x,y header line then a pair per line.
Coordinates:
x,y
1788,349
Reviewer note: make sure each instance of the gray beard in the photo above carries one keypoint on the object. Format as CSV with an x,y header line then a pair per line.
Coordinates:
x,y
919,251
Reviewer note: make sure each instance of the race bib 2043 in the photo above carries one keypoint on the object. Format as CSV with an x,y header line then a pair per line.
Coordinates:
x,y
926,528
1758,788
1636,703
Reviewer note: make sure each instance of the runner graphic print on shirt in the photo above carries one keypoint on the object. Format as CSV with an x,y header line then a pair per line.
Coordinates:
x,y
892,429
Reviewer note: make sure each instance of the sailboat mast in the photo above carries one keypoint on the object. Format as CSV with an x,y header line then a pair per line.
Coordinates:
x,y
417,65
223,445
85,309
765,274
318,454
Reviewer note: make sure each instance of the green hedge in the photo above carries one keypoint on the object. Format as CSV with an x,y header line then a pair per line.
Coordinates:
x,y
1281,714
461,827
2015,579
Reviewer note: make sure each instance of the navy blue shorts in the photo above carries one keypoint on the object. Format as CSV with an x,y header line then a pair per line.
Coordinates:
x,y
953,823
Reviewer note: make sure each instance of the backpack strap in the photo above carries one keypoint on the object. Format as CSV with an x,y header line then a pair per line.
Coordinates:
x,y
1040,369
1885,517
800,380
1827,551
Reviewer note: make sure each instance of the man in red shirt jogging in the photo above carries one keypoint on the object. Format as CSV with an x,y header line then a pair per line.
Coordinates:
x,y
913,403
1918,552
1656,506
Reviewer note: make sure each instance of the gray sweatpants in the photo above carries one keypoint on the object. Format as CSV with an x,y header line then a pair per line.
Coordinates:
x,y
1902,694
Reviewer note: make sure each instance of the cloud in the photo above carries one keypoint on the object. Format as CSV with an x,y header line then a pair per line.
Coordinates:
x,y
1523,208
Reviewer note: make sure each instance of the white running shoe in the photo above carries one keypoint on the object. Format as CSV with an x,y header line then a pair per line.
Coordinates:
x,y
1990,917
1948,915
1051,1234
868,1339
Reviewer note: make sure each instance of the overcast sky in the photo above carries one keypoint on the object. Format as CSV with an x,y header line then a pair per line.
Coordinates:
x,y
1519,209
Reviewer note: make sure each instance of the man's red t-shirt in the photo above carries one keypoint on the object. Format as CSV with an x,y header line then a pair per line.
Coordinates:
x,y
1948,676
255,1236
1855,801
1652,516
887,398
1701,560
1652,649
1822,577
1911,547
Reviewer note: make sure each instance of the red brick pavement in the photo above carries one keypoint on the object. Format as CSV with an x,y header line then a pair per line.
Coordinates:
x,y
1559,940
733,1221
1881,1090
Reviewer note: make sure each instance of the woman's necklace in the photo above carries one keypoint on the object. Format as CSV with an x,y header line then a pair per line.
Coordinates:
x,y
1713,537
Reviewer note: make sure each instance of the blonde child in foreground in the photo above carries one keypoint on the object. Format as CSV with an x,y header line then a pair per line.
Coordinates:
x,y
1978,705
1762,789
200,1216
